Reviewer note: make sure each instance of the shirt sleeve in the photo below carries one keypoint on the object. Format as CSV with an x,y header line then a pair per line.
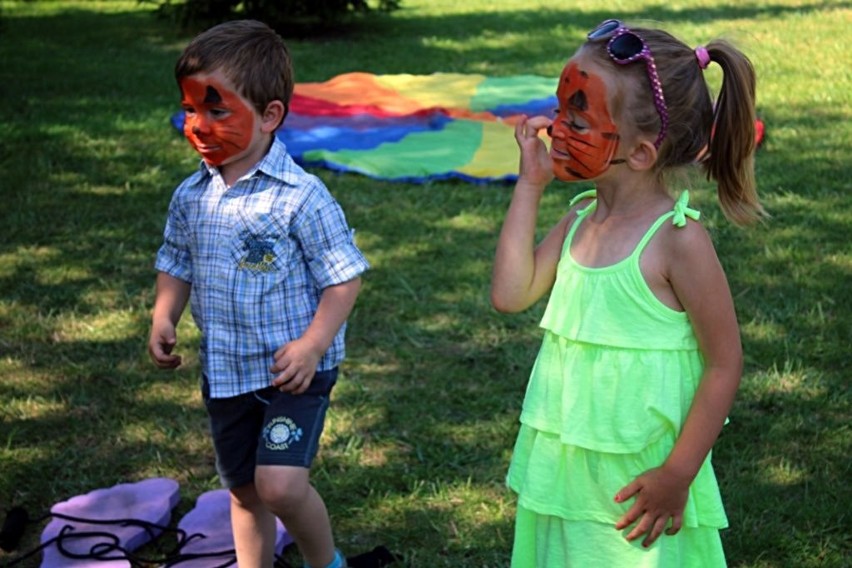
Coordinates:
x,y
174,257
327,241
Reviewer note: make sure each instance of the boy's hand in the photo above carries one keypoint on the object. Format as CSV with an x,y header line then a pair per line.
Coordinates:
x,y
660,495
295,365
160,345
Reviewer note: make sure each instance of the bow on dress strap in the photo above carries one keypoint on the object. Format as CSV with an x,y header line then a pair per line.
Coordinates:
x,y
682,210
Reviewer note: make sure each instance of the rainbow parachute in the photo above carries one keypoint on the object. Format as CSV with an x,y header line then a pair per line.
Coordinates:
x,y
416,128
413,127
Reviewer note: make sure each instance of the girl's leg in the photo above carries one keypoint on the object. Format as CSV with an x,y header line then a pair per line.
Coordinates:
x,y
253,528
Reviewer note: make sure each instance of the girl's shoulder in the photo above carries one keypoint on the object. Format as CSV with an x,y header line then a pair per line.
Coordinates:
x,y
675,255
680,236
685,244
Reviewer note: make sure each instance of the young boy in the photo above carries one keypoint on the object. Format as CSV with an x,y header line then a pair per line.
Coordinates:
x,y
274,273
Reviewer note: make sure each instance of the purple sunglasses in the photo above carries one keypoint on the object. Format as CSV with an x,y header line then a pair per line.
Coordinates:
x,y
625,47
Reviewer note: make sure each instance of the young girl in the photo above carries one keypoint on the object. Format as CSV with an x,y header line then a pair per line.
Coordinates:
x,y
641,356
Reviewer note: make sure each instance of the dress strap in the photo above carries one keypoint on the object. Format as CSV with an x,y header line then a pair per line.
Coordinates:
x,y
589,194
581,213
679,213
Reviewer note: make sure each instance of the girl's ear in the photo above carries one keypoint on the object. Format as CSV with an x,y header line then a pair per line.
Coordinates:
x,y
642,157
273,116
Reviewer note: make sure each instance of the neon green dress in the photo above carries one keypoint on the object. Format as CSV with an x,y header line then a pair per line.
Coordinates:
x,y
608,393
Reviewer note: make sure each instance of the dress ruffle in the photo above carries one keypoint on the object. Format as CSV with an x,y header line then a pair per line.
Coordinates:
x,y
573,483
613,305
582,439
545,541
609,399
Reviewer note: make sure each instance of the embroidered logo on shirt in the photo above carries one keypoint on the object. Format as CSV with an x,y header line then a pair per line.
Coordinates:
x,y
281,433
260,253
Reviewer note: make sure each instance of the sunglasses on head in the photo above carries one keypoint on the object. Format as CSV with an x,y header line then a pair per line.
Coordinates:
x,y
625,46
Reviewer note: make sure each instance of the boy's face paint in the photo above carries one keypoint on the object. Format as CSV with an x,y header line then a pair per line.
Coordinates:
x,y
584,136
218,123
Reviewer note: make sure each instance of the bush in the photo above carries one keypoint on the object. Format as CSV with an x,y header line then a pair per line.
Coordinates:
x,y
287,16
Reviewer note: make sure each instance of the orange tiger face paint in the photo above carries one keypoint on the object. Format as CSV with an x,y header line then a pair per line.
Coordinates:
x,y
218,122
584,135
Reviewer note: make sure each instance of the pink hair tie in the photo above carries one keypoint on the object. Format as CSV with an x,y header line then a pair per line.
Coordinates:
x,y
702,56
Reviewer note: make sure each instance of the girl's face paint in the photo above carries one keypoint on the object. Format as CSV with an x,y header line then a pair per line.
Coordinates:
x,y
584,136
219,123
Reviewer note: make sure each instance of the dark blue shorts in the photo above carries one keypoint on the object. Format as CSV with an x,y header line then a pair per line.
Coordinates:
x,y
267,427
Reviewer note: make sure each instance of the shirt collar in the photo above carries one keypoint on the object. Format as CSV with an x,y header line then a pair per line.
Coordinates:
x,y
277,163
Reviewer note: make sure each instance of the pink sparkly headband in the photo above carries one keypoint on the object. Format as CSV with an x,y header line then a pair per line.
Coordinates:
x,y
702,56
625,46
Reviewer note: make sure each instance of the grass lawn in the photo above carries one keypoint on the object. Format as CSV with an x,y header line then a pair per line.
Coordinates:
x,y
423,421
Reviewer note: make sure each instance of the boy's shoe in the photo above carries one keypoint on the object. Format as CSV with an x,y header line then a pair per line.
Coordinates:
x,y
338,562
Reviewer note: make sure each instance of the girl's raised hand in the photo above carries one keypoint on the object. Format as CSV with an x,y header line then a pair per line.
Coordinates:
x,y
536,167
659,496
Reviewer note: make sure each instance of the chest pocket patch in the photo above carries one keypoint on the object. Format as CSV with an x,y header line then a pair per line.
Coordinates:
x,y
259,246
257,252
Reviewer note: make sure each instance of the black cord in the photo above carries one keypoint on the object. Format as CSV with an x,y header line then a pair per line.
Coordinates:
x,y
17,518
13,530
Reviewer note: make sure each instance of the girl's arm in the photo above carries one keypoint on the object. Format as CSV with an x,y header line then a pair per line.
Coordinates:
x,y
172,295
700,284
523,273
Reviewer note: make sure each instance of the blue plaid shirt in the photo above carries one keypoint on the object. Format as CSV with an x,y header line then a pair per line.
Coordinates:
x,y
258,256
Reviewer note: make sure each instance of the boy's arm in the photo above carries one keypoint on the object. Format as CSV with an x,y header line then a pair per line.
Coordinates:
x,y
172,295
296,362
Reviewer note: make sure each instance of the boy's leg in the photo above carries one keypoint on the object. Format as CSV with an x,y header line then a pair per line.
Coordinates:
x,y
253,528
235,423
287,492
288,443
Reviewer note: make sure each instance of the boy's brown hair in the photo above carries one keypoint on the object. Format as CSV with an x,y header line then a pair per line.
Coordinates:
x,y
250,54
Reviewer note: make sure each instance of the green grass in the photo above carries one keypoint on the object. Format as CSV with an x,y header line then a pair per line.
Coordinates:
x,y
423,422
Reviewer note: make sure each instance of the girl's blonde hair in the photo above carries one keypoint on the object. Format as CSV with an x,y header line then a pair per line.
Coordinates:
x,y
720,137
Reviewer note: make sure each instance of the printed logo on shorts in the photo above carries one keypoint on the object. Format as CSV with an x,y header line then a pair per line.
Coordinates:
x,y
281,433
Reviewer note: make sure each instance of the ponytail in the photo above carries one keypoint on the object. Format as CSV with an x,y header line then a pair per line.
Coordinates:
x,y
732,144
